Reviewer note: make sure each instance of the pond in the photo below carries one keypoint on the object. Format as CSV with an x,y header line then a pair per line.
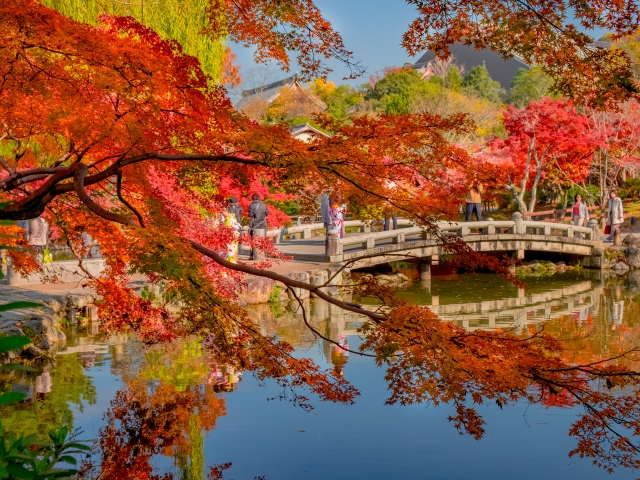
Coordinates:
x,y
126,397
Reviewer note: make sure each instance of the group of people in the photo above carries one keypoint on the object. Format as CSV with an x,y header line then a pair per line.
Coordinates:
x,y
334,211
257,214
615,214
579,210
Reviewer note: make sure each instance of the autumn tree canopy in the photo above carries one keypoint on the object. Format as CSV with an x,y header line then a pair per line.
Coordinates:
x,y
114,131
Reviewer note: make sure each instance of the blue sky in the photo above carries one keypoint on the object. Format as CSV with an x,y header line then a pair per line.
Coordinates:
x,y
371,29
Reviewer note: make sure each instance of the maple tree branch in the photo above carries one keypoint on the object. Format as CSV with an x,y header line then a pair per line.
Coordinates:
x,y
34,203
363,257
78,184
587,405
316,332
128,205
315,289
5,165
593,364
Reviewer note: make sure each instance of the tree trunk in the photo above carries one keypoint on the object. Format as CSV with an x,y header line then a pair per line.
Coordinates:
x,y
518,197
536,180
566,200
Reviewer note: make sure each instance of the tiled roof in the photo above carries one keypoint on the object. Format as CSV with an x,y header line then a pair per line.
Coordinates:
x,y
500,69
466,55
268,93
305,128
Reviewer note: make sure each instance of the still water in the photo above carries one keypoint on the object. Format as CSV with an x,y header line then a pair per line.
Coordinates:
x,y
125,396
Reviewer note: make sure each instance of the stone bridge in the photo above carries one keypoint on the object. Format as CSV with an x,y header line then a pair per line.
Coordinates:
x,y
514,237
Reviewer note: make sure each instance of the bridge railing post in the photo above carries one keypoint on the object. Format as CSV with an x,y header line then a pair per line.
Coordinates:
x,y
306,233
369,243
424,267
464,230
595,231
283,232
333,243
519,227
399,238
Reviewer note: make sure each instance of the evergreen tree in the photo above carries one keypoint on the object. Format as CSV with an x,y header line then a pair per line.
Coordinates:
x,y
528,85
478,82
453,79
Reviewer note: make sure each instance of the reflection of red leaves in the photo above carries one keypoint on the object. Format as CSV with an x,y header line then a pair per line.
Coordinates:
x,y
217,471
142,422
121,310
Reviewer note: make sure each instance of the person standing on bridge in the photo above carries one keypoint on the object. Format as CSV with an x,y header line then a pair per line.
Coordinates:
x,y
236,210
474,202
615,215
391,218
337,214
258,213
579,214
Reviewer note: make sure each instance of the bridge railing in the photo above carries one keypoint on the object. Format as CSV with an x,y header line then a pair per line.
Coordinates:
x,y
489,227
306,231
566,230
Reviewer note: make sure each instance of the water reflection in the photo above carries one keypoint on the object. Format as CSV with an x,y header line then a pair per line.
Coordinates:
x,y
524,309
152,410
330,321
54,394
168,404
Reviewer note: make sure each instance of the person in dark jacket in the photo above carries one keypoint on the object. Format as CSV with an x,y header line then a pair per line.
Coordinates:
x,y
258,214
235,209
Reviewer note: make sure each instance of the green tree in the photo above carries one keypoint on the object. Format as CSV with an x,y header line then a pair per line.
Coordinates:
x,y
528,85
478,82
180,20
391,94
69,385
399,82
398,90
453,79
340,100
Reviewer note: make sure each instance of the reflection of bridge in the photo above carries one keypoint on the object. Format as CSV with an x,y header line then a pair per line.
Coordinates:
x,y
513,313
515,236
526,309
507,313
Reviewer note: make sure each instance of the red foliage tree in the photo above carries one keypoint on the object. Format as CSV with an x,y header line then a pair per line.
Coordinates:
x,y
546,140
620,153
